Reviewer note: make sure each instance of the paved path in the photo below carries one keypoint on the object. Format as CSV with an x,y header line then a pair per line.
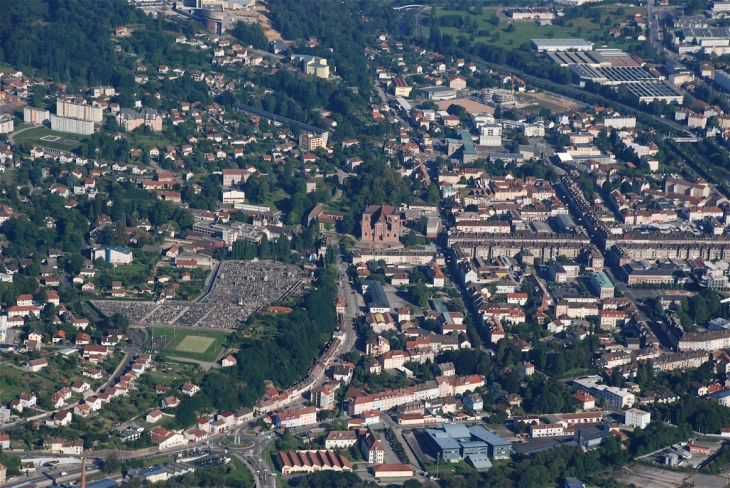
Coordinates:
x,y
11,136
203,364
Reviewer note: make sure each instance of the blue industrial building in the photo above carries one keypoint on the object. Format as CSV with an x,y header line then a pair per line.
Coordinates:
x,y
456,442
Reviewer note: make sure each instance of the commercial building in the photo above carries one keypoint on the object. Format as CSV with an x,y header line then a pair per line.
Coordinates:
x,y
722,79
649,92
74,126
113,255
602,285
233,196
637,418
36,116
401,87
438,93
312,461
556,45
455,442
393,471
72,110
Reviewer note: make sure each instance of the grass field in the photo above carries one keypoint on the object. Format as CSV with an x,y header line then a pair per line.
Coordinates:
x,y
195,343
201,345
33,136
583,28
13,382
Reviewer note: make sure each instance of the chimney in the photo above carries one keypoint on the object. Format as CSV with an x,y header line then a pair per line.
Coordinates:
x,y
83,472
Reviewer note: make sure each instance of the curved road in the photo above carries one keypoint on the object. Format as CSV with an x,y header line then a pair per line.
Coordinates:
x,y
11,136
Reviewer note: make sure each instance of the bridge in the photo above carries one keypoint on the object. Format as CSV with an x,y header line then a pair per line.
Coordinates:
x,y
407,7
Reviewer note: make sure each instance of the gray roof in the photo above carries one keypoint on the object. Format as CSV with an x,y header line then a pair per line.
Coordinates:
x,y
488,437
479,461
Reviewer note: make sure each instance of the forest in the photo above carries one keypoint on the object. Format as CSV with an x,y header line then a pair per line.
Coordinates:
x,y
64,40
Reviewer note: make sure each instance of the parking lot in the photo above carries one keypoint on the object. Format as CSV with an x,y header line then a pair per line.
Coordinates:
x,y
682,453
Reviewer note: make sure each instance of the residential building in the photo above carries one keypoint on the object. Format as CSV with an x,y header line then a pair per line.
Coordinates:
x,y
73,126
637,418
68,109
36,116
309,142
340,439
296,417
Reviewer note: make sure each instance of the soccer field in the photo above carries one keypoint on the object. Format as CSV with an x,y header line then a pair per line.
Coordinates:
x,y
195,343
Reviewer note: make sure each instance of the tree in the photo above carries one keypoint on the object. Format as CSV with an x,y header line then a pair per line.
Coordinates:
x,y
112,464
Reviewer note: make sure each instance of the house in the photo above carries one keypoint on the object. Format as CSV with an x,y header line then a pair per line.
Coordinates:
x,y
5,441
154,416
94,373
171,402
189,389
228,361
36,365
80,386
473,401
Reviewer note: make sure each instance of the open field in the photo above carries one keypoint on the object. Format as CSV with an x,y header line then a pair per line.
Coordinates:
x,y
13,382
648,477
195,343
201,345
583,27
66,141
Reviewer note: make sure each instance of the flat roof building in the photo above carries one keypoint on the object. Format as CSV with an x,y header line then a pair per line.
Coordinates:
x,y
556,45
438,93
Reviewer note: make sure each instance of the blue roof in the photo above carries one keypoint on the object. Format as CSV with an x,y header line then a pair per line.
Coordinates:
x,y
457,431
479,461
104,483
488,437
115,248
573,483
443,440
468,444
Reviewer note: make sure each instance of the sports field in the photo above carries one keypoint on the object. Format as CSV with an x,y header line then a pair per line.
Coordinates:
x,y
201,345
195,343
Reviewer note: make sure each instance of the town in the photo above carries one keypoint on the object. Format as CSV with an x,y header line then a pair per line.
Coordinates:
x,y
273,243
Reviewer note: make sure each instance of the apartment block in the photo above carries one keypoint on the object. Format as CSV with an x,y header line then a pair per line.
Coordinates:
x,y
72,110
72,125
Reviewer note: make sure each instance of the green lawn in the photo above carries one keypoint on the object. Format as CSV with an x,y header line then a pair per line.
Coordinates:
x,y
33,136
240,473
178,335
524,30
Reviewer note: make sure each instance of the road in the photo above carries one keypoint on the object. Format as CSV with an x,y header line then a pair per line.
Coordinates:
x,y
11,136
419,25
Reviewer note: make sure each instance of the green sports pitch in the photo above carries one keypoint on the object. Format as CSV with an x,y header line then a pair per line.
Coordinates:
x,y
192,344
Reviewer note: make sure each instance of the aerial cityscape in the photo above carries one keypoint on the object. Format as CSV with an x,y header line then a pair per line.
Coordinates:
x,y
363,243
